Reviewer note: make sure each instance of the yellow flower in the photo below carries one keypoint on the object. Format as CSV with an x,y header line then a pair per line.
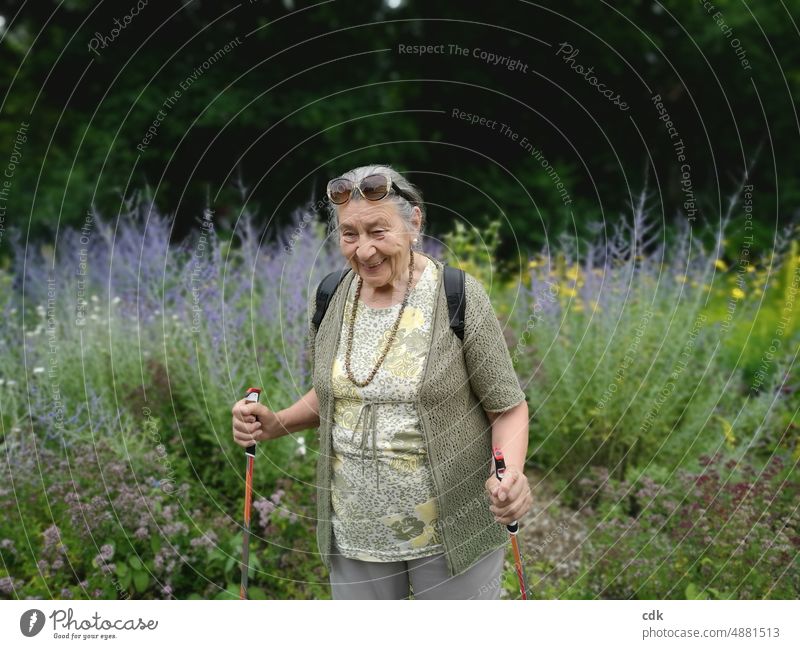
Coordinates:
x,y
577,306
727,431
737,293
571,292
681,278
573,272
533,263
721,264
750,268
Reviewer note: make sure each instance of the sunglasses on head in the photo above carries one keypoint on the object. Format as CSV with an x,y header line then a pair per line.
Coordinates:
x,y
373,187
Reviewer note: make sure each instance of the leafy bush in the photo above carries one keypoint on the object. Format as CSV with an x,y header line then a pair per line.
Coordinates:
x,y
92,524
728,530
620,357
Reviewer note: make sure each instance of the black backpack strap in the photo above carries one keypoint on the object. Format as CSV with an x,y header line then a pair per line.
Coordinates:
x,y
327,287
453,286
456,301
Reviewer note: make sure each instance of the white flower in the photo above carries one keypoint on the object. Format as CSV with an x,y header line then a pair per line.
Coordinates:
x,y
11,383
38,370
301,440
94,298
2,381
117,299
40,309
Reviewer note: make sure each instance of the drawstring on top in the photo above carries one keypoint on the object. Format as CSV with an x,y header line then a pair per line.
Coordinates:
x,y
370,416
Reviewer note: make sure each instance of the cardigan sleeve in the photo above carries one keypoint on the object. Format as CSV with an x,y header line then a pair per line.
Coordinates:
x,y
489,366
310,331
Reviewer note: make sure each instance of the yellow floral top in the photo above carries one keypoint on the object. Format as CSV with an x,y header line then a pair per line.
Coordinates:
x,y
384,509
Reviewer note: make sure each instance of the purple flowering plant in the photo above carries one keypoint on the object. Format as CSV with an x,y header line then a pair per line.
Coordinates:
x,y
127,352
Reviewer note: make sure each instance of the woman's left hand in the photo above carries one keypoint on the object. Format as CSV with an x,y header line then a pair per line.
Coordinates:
x,y
510,497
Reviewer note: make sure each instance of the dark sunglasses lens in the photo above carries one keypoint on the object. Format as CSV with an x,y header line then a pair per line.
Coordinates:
x,y
374,187
339,190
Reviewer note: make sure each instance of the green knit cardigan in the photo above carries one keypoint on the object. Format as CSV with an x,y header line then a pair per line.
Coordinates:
x,y
461,381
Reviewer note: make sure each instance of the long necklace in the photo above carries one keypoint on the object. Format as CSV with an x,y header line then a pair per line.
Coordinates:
x,y
395,327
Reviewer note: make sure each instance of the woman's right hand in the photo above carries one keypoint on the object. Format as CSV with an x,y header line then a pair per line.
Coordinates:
x,y
254,422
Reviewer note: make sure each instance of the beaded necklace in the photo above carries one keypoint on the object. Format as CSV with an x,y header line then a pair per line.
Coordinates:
x,y
395,327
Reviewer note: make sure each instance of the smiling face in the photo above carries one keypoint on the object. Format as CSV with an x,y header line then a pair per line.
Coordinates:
x,y
371,232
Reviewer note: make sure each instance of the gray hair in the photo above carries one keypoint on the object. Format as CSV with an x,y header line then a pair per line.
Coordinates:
x,y
404,207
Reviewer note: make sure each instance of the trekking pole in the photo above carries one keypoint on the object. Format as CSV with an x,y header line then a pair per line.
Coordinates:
x,y
513,527
250,456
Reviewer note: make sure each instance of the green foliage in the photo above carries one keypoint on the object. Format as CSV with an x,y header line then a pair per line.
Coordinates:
x,y
389,109
727,531
765,308
473,250
624,367
144,484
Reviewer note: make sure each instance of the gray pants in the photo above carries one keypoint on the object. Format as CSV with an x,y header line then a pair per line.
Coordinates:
x,y
428,578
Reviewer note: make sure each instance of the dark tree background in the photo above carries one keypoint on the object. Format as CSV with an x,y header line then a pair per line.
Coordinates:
x,y
309,90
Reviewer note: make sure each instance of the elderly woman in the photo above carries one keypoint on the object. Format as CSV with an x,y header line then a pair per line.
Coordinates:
x,y
392,381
